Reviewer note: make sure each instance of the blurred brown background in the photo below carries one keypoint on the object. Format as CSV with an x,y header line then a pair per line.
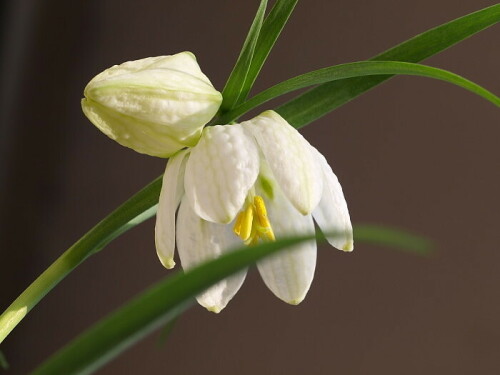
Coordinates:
x,y
414,153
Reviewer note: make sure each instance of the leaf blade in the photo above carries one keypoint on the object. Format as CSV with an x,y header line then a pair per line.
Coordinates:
x,y
323,99
358,69
160,304
156,306
233,89
397,239
134,211
271,30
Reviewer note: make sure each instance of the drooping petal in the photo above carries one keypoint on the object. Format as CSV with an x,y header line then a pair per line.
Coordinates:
x,y
289,158
332,214
146,139
171,193
289,274
221,169
198,241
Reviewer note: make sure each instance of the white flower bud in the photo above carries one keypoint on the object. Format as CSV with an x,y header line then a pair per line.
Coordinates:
x,y
156,106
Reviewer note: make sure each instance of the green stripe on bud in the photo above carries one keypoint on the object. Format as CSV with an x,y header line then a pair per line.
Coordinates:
x,y
156,105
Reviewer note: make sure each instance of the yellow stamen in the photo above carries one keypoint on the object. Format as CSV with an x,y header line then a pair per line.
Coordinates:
x,y
268,233
253,238
261,212
260,208
252,223
243,225
246,224
237,224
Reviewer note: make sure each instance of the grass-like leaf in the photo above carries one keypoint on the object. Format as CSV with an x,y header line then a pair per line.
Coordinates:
x,y
134,211
271,29
398,239
325,98
356,69
233,90
169,298
150,310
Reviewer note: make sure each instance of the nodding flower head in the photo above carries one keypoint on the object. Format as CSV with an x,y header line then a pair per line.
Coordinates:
x,y
246,183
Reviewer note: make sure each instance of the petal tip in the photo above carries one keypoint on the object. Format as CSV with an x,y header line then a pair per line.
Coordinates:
x,y
188,53
296,301
227,219
168,263
348,247
214,309
305,211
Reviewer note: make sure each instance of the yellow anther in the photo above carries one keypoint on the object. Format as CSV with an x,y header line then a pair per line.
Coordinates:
x,y
261,213
246,224
252,223
237,224
243,224
269,234
253,241
253,238
260,208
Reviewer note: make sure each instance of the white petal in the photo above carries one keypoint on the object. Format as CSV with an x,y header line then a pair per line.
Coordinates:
x,y
171,192
289,274
174,99
184,62
147,139
198,241
289,158
332,214
221,169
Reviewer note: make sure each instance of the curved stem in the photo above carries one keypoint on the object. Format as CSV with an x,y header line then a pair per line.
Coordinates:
x,y
138,208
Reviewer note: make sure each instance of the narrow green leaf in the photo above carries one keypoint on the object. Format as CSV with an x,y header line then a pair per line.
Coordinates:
x,y
323,99
271,30
150,310
134,211
168,299
397,239
233,89
4,365
356,69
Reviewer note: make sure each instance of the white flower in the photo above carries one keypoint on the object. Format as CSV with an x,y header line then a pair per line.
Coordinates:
x,y
156,105
242,183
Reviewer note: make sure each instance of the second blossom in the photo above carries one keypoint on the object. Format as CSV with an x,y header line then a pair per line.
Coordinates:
x,y
245,183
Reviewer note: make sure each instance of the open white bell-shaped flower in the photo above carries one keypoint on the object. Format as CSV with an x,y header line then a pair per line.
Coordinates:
x,y
156,106
258,180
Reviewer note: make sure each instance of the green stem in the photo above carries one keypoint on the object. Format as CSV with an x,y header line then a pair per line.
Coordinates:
x,y
138,208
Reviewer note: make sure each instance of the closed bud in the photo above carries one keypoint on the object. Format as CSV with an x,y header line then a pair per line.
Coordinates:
x,y
156,105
